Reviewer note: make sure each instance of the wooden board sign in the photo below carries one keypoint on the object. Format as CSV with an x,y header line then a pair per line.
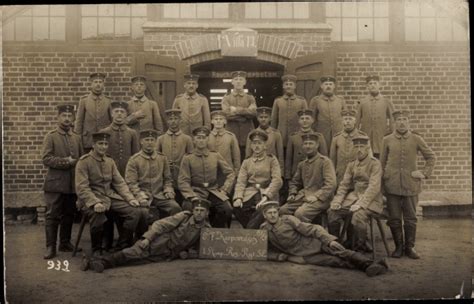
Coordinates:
x,y
233,244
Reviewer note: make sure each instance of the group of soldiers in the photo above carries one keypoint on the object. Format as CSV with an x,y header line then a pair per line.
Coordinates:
x,y
302,163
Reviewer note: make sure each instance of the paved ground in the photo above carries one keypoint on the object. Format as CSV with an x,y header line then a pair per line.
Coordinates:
x,y
445,246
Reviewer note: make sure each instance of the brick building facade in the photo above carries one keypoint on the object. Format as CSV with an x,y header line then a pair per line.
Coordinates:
x,y
429,78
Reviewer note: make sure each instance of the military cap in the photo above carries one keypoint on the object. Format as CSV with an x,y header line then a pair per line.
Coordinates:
x,y
310,136
305,112
201,131
399,113
239,74
99,136
269,204
218,113
372,77
360,139
65,108
191,77
327,78
138,78
288,77
204,203
148,133
349,113
97,75
173,112
257,134
119,104
264,110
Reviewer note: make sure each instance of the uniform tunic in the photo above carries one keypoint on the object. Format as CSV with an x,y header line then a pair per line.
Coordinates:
x,y
152,119
240,121
327,113
227,145
285,114
274,145
92,115
194,111
372,115
174,146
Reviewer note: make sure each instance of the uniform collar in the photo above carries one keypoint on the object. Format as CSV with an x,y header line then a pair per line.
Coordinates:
x,y
141,99
351,134
63,132
97,158
96,97
192,222
256,159
327,98
117,127
307,131
378,97
267,130
291,97
201,153
235,93
312,159
147,156
171,133
220,132
364,161
191,96
398,135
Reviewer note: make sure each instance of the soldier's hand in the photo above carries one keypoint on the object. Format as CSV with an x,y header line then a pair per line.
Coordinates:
x,y
139,114
291,197
169,195
144,202
233,109
143,244
354,208
418,174
134,203
71,160
237,203
99,208
336,246
336,206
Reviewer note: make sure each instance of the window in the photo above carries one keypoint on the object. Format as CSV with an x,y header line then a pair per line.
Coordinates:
x,y
277,10
358,21
196,10
425,22
42,22
113,21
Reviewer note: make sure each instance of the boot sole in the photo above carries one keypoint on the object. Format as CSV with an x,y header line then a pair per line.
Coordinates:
x,y
375,269
96,266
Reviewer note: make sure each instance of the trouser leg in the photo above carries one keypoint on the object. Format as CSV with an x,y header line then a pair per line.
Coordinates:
x,y
359,221
166,207
290,207
409,218
220,212
244,214
96,223
67,219
394,205
131,217
308,211
335,220
54,203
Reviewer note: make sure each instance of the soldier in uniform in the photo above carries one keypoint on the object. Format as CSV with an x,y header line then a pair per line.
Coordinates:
x,y
294,153
327,109
341,152
374,115
198,179
93,111
286,108
144,113
312,186
101,190
259,180
402,181
240,108
174,144
303,243
61,151
359,193
194,106
167,239
274,142
148,176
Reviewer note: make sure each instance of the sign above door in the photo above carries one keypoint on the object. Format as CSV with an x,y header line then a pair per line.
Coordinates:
x,y
239,42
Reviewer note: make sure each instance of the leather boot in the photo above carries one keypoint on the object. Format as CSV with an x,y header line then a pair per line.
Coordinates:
x,y
397,234
107,261
51,237
334,228
65,234
410,234
370,267
96,242
125,239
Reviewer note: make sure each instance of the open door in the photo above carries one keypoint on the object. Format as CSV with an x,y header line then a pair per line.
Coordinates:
x,y
308,69
164,78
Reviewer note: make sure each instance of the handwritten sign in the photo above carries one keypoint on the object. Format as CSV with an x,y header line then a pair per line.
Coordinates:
x,y
233,244
239,42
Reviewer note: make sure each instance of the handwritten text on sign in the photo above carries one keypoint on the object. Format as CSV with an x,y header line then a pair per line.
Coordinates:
x,y
239,42
233,244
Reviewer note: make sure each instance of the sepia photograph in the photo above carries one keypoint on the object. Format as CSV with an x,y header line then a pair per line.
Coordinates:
x,y
236,151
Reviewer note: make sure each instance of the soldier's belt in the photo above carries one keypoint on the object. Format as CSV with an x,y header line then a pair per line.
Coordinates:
x,y
203,185
259,185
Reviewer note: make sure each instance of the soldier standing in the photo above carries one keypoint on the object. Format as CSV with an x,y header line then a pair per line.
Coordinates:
x,y
61,151
194,106
327,109
93,111
402,181
374,115
144,113
198,179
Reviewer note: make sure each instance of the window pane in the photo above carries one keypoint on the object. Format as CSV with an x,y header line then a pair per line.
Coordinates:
x,y
204,10
349,29
349,9
285,10
268,10
221,10
40,10
23,28
365,9
89,27
300,10
188,10
381,9
426,10
122,27
122,10
252,10
137,31
9,31
412,29
443,29
170,11
459,32
57,10
427,29
333,9
366,29
57,28
40,28
336,28
138,10
381,32
412,9
89,10
106,27
106,10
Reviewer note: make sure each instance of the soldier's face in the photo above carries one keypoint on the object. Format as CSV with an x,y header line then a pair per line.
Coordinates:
x,y
402,124
349,123
328,87
200,141
100,147
148,144
373,86
97,85
139,88
271,215
361,150
263,119
200,214
119,115
257,146
173,122
310,147
239,82
289,87
305,121
218,121
190,87
66,119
